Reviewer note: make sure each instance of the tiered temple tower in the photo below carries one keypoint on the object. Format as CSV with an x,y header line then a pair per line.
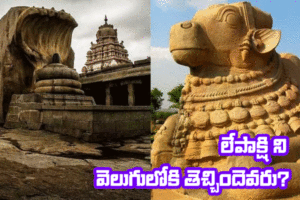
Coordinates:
x,y
110,77
107,51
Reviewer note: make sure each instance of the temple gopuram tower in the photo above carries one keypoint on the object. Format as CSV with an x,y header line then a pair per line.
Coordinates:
x,y
110,77
107,51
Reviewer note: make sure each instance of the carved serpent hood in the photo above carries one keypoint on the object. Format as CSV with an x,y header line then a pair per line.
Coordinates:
x,y
29,38
42,32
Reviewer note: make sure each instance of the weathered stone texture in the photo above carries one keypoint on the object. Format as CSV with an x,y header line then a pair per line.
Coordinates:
x,y
90,122
16,70
237,82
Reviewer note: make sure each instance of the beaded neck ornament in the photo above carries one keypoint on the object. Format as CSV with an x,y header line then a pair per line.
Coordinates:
x,y
265,103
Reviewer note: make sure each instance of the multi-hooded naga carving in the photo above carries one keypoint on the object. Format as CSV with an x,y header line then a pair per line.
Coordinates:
x,y
29,38
237,81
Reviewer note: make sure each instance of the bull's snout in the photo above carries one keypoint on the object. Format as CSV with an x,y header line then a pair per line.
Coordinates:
x,y
188,43
186,35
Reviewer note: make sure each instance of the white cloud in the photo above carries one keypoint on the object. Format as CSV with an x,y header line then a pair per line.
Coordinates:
x,y
161,53
203,4
164,3
136,51
183,5
165,72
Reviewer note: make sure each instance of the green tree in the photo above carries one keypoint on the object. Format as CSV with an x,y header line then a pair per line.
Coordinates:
x,y
156,99
174,96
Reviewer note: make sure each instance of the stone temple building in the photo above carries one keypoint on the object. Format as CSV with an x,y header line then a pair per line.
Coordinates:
x,y
110,77
41,90
107,51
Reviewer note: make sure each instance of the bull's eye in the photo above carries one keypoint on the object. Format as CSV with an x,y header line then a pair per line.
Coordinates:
x,y
233,19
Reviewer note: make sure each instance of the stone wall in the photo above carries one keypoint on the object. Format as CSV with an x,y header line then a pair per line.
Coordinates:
x,y
92,123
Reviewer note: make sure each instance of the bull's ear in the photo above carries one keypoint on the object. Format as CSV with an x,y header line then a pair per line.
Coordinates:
x,y
265,40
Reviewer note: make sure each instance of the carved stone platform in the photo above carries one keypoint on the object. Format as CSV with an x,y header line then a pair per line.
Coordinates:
x,y
78,116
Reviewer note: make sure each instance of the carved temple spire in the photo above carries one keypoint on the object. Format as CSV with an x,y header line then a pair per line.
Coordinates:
x,y
107,51
105,19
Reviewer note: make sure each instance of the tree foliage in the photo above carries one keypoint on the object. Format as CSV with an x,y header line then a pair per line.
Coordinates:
x,y
174,96
163,115
156,99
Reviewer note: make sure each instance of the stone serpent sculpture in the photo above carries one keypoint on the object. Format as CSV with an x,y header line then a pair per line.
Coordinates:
x,y
29,38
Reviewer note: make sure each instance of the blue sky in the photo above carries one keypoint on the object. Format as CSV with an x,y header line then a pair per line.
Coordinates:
x,y
166,74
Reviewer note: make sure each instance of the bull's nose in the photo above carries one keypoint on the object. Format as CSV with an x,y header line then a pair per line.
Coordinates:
x,y
186,25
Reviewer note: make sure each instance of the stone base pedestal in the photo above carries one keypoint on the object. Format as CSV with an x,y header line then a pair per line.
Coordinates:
x,y
25,110
77,116
66,99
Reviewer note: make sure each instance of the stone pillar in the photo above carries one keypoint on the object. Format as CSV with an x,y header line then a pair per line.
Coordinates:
x,y
131,97
108,96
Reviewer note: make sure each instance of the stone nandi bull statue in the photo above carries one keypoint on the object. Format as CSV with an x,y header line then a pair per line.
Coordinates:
x,y
28,39
237,81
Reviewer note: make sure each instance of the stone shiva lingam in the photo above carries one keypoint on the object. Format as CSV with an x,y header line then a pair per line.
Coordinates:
x,y
237,81
57,78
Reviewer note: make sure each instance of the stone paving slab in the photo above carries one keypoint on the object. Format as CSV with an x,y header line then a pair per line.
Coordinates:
x,y
42,149
40,165
49,143
120,164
